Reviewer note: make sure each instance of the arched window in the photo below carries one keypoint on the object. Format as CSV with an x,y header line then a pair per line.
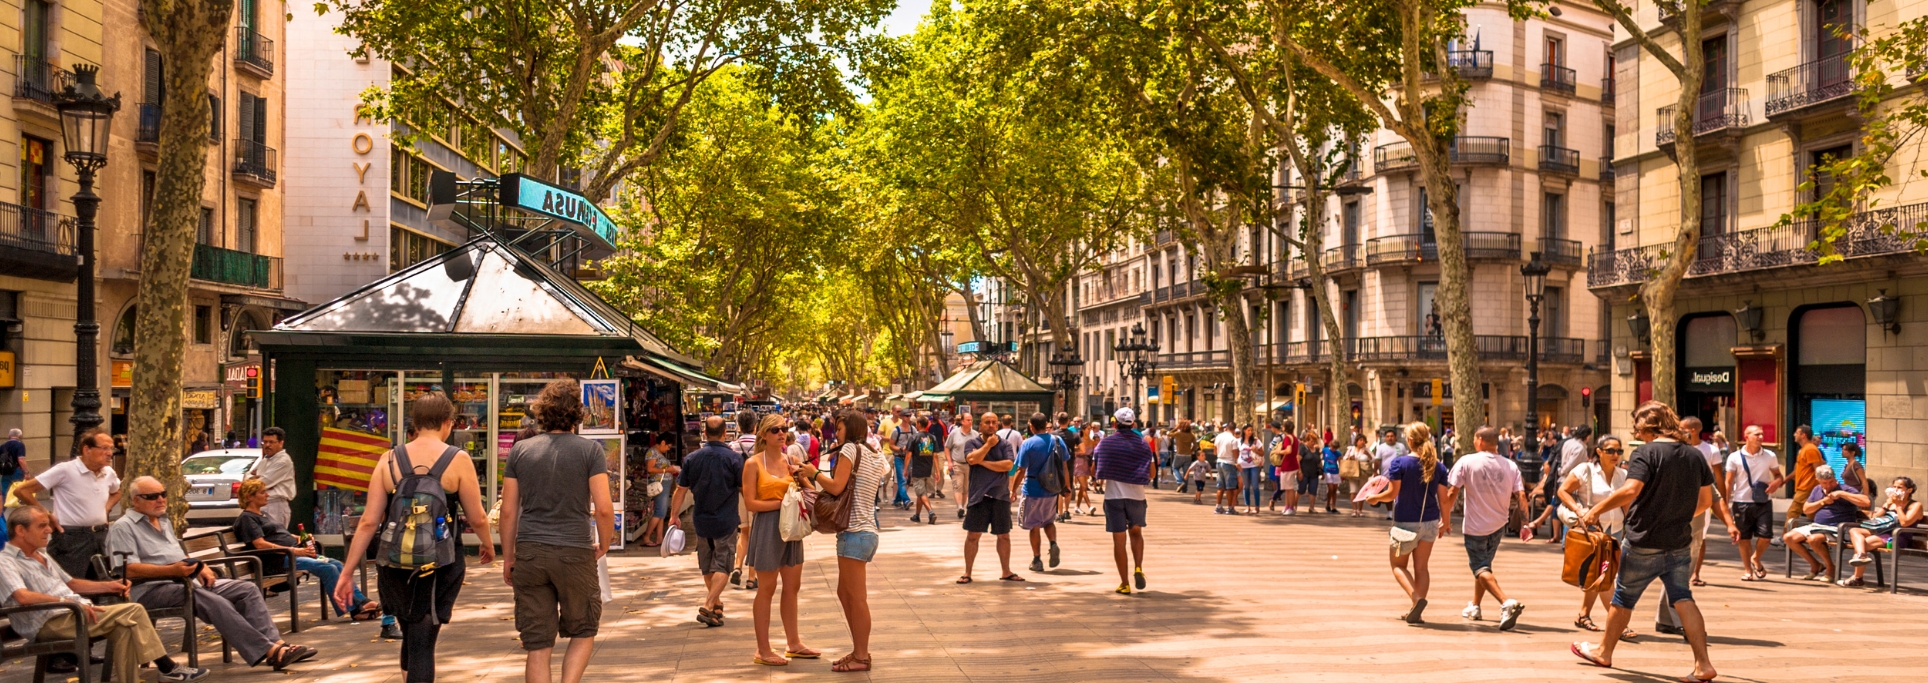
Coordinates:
x,y
122,343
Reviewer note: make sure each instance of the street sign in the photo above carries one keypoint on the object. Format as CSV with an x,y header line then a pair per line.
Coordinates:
x,y
529,194
6,370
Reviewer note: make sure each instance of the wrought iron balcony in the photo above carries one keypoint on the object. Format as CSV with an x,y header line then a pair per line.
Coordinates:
x,y
1466,149
1606,89
1341,259
1471,63
254,51
1557,159
1558,79
254,162
37,244
1188,360
1560,252
1896,230
1820,81
149,126
1492,245
1722,109
1490,347
38,79
1418,247
230,267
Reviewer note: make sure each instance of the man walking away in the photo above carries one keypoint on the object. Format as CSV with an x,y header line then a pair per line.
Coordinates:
x,y
557,522
713,478
989,504
1488,483
903,437
957,444
921,446
1225,500
1184,444
1123,461
277,470
1668,484
1665,621
1043,453
13,462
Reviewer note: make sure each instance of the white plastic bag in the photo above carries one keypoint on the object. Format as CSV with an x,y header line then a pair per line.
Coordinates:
x,y
602,579
672,541
793,519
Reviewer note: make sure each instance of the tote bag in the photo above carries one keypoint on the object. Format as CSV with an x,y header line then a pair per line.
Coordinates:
x,y
793,518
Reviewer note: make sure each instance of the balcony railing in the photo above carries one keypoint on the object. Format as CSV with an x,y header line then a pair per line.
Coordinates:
x,y
1895,230
1417,247
1557,159
149,130
1560,252
1490,347
1344,258
1822,80
1556,78
1186,360
1606,168
227,266
1466,149
255,161
38,79
37,244
1163,238
1492,245
1471,63
253,49
1606,89
1719,110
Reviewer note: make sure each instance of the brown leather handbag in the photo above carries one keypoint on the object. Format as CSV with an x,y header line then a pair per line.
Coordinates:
x,y
1592,559
831,513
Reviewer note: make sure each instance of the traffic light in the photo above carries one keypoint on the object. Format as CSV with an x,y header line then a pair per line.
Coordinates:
x,y
1586,397
254,382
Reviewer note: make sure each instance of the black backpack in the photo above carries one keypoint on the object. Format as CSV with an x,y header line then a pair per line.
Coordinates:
x,y
1052,479
418,534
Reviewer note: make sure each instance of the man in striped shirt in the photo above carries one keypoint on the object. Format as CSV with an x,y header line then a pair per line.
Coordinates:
x,y
1124,463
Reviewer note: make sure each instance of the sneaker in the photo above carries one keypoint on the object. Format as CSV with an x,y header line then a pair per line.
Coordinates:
x,y
391,631
1286,512
1510,614
960,513
932,519
185,673
916,517
1037,564
1861,559
1138,577
1054,556
1218,509
1124,589
1471,613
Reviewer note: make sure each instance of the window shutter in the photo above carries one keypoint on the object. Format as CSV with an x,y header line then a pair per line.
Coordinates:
x,y
214,117
155,85
260,116
245,116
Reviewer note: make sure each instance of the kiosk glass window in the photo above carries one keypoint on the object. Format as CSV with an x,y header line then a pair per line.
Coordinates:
x,y
356,409
1829,375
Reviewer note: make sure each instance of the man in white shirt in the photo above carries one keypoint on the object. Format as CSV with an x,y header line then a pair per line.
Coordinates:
x,y
277,470
1225,497
1751,473
1489,483
84,489
1716,461
957,443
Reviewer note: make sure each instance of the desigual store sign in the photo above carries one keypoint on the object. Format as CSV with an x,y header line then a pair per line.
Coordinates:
x,y
1710,379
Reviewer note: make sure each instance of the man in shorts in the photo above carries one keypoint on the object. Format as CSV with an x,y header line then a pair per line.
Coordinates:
x,y
1043,452
1225,499
1125,463
988,504
920,456
957,445
713,475
1488,483
1753,471
1666,621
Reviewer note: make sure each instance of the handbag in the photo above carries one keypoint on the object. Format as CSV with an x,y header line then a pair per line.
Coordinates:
x,y
1405,541
655,489
793,517
831,513
1348,467
1886,523
1592,559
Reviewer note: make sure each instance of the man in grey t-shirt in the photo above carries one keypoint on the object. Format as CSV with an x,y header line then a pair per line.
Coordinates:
x,y
549,551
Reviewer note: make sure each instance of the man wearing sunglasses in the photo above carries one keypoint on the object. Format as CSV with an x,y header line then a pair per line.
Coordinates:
x,y
235,608
84,489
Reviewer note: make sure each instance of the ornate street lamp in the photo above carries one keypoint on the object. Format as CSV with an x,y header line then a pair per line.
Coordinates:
x,y
1134,358
86,117
1066,370
1534,272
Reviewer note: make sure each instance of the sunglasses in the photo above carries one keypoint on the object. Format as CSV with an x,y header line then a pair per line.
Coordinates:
x,y
1614,451
776,430
151,496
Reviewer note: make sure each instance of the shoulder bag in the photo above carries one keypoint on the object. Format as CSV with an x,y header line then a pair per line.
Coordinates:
x,y
1592,559
831,514
1405,541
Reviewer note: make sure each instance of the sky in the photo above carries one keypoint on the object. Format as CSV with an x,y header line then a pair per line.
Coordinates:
x,y
904,20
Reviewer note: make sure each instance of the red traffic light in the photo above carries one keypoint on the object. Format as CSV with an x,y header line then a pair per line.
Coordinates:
x,y
1586,391
256,372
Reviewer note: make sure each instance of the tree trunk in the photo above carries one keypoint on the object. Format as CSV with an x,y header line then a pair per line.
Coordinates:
x,y
187,33
1657,295
1454,302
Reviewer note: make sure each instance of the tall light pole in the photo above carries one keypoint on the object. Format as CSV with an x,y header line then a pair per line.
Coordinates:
x,y
1066,368
1134,359
1534,272
86,118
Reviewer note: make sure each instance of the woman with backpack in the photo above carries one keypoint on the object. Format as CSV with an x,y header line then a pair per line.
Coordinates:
x,y
767,476
859,474
419,589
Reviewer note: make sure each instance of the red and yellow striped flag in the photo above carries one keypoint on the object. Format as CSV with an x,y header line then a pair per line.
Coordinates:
x,y
347,458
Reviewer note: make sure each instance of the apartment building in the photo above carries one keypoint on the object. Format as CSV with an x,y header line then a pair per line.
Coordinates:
x,y
38,259
1533,175
1766,335
1110,302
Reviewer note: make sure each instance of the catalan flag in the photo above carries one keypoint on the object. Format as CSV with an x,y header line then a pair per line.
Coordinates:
x,y
347,458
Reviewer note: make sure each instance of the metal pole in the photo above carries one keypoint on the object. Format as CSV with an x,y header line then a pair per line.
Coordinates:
x,y
1533,374
86,401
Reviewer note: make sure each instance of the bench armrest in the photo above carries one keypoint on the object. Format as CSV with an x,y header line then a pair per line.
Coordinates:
x,y
236,565
70,608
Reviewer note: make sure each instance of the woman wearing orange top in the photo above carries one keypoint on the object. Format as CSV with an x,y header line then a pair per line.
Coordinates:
x,y
767,475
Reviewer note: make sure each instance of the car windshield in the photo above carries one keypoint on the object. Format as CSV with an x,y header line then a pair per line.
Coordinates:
x,y
217,464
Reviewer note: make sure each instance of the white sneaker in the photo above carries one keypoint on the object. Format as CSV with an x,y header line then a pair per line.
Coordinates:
x,y
1287,512
1470,613
1510,614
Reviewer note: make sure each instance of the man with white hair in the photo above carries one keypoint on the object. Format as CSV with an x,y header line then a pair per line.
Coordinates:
x,y
235,608
13,462
1830,504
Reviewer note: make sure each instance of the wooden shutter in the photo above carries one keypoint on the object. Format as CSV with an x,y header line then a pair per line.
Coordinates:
x,y
259,114
154,84
245,117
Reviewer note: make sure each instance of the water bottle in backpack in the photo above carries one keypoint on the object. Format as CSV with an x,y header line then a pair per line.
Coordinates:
x,y
416,534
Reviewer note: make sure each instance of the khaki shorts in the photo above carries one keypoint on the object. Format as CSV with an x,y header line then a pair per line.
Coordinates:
x,y
556,594
926,487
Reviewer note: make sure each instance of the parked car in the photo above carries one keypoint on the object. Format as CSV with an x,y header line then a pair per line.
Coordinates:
x,y
214,484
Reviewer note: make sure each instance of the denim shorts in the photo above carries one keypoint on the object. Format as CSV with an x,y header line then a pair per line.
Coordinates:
x,y
1227,476
857,545
1640,566
1481,549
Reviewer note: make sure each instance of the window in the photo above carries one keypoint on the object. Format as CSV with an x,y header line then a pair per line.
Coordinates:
x,y
1818,160
1426,220
408,175
1351,299
407,248
153,84
253,119
1553,315
1607,231
1350,215
1111,340
244,225
9,304
148,182
1713,205
122,343
34,169
203,324
1428,303
1553,216
1555,130
204,234
1555,51
34,34
214,117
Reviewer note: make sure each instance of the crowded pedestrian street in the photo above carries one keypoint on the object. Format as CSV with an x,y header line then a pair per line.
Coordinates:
x,y
1302,598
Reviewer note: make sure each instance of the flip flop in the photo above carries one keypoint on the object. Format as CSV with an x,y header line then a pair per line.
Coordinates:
x,y
1012,577
963,580
758,659
1698,583
793,654
1579,650
1690,678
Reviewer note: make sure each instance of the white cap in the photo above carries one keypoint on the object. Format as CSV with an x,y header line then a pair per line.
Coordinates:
x,y
1125,416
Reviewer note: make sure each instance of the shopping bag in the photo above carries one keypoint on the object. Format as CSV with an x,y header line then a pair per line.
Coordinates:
x,y
793,518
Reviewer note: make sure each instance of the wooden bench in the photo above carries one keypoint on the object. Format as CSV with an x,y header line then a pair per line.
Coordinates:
x,y
1902,538
13,645
288,578
184,612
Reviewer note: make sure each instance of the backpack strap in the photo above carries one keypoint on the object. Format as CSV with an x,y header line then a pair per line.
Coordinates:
x,y
442,463
400,463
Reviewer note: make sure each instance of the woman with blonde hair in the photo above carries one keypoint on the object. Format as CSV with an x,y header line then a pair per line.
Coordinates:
x,y
1415,481
767,476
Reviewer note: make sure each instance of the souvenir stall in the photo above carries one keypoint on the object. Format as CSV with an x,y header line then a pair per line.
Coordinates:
x,y
990,385
658,397
484,324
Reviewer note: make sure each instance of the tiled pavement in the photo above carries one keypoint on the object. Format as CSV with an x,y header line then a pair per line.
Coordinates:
x,y
1306,598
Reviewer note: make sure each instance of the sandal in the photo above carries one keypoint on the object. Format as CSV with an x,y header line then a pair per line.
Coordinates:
x,y
1582,651
369,611
749,585
963,580
1012,577
850,663
1698,583
805,653
1585,623
758,659
1628,634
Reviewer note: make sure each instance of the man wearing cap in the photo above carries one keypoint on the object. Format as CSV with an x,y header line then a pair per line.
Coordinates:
x,y
1124,462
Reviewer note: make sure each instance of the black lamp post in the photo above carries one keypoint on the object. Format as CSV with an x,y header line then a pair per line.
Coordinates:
x,y
1066,368
1134,359
1534,271
86,118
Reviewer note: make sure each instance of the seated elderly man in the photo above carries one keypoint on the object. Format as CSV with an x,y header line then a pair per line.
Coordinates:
x,y
1831,504
235,608
28,577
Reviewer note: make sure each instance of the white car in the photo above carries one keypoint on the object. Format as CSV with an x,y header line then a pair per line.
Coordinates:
x,y
214,482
